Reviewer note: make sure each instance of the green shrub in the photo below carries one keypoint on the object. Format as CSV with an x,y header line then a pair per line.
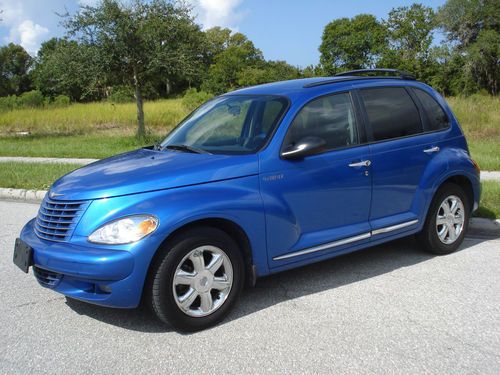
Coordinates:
x,y
121,94
8,103
31,99
61,101
193,98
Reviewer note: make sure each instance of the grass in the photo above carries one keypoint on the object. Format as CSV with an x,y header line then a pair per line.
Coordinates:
x,y
33,176
102,129
77,146
40,176
490,200
479,117
161,115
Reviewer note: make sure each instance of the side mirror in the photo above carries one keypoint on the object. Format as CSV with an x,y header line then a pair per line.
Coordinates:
x,y
305,147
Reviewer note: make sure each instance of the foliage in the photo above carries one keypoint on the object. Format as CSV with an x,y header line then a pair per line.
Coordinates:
x,y
31,99
61,101
65,67
231,54
138,42
121,94
472,28
354,43
410,35
15,64
8,103
193,98
120,51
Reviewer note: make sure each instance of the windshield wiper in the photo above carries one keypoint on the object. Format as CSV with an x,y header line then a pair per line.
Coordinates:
x,y
187,148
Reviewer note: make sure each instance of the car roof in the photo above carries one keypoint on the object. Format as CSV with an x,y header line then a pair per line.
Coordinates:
x,y
312,86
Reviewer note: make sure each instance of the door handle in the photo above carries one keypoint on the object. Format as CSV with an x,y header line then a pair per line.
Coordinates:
x,y
431,150
364,163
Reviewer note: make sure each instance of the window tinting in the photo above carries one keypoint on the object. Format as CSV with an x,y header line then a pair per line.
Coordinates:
x,y
330,118
391,112
437,117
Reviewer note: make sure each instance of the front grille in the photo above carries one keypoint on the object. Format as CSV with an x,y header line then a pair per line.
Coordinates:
x,y
56,220
46,278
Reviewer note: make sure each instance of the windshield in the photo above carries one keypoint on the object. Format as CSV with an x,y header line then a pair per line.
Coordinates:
x,y
229,125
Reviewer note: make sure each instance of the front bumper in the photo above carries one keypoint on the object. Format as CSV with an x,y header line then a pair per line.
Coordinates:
x,y
102,276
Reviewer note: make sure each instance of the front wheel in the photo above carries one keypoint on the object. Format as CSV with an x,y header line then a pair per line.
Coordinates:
x,y
198,279
447,220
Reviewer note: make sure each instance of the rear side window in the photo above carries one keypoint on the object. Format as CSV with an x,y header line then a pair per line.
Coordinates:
x,y
391,112
437,117
330,118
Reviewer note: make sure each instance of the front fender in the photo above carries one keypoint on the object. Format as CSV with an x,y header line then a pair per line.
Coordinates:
x,y
237,200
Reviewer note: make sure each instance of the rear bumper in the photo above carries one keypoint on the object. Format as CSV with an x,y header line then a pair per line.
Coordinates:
x,y
101,276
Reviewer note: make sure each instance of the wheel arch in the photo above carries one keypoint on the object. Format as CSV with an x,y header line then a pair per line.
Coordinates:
x,y
231,228
461,179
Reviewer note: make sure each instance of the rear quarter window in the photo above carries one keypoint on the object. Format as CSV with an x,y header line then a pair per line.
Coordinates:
x,y
391,113
435,113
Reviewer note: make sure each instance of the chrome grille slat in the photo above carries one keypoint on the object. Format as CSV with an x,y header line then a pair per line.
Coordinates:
x,y
56,220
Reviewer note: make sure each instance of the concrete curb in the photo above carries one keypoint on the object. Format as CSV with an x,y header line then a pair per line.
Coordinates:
x,y
33,196
490,175
477,226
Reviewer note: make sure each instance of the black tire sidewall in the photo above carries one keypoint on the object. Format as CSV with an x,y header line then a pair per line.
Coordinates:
x,y
429,234
163,299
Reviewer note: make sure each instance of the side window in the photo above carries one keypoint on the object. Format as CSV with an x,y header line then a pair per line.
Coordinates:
x,y
330,118
437,117
391,112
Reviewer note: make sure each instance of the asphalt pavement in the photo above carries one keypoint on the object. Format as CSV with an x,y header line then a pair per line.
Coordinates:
x,y
388,309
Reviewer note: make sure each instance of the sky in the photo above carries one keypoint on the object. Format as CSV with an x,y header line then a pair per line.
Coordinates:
x,y
288,30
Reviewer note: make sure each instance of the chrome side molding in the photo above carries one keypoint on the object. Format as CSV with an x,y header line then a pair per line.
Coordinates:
x,y
394,227
324,246
346,241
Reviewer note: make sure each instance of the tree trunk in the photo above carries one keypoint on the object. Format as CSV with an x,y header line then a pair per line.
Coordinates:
x,y
141,132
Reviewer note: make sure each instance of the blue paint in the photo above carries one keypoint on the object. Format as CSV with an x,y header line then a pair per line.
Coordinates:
x,y
283,206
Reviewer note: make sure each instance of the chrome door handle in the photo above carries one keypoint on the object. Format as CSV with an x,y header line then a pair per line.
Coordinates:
x,y
431,150
364,163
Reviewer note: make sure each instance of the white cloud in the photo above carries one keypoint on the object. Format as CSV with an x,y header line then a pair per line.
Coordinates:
x,y
22,30
30,35
88,2
222,13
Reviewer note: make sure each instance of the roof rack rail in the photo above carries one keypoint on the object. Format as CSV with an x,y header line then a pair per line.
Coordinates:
x,y
396,73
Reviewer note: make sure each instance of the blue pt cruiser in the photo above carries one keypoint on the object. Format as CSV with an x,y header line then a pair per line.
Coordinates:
x,y
254,182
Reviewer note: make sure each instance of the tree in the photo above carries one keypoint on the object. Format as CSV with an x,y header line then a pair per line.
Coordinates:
x,y
15,64
472,28
65,67
267,71
463,20
410,36
354,43
231,56
137,42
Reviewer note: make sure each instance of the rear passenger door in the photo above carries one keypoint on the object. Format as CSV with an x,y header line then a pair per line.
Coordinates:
x,y
401,146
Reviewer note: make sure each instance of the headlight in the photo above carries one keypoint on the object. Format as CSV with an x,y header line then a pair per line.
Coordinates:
x,y
126,230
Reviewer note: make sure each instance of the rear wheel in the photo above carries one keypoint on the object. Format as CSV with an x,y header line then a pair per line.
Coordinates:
x,y
198,279
447,220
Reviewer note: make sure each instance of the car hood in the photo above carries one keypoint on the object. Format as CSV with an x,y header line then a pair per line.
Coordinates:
x,y
147,170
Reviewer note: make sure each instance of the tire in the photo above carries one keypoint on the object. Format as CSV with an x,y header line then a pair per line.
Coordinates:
x,y
182,285
450,240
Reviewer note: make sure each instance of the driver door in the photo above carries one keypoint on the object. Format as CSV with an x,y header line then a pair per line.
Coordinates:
x,y
319,205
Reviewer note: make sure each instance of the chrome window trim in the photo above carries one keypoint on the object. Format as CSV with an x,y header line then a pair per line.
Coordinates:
x,y
346,241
